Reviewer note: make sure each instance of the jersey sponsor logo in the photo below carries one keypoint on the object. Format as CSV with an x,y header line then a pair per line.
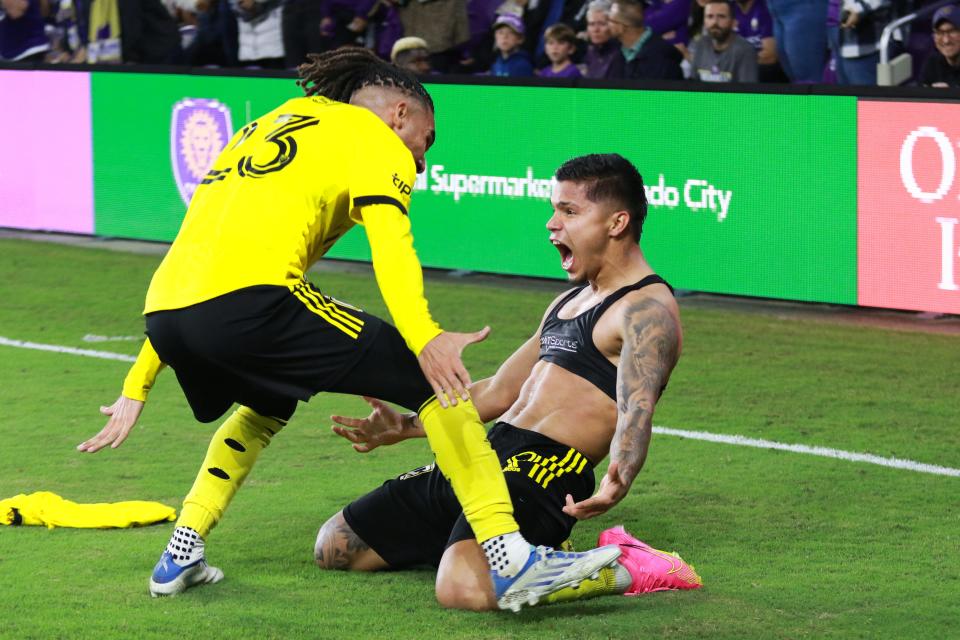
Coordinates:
x,y
402,187
549,342
199,130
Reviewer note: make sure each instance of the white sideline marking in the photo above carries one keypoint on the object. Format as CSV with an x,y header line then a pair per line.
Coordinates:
x,y
896,463
90,353
92,337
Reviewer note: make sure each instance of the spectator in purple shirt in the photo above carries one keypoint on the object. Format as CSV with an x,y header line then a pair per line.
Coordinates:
x,y
755,25
668,19
602,46
384,27
343,22
477,53
560,43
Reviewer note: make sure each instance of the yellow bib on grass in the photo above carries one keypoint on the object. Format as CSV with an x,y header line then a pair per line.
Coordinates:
x,y
46,508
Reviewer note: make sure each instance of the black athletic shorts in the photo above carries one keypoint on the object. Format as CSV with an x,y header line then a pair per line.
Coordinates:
x,y
412,519
266,347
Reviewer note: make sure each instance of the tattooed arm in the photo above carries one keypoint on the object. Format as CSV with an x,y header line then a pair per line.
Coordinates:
x,y
651,346
339,547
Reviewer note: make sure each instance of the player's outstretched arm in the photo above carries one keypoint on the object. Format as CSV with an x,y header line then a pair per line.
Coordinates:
x,y
124,413
400,279
651,346
384,426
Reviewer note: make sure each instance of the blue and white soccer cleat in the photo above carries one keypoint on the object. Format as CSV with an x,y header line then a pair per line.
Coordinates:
x,y
548,571
170,579
182,565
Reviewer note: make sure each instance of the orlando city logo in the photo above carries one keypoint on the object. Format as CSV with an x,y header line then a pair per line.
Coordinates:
x,y
199,129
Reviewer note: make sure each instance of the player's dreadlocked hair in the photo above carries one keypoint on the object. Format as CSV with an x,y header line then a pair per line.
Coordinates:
x,y
339,74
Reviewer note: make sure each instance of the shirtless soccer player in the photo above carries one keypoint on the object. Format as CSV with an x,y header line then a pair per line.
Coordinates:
x,y
231,312
584,386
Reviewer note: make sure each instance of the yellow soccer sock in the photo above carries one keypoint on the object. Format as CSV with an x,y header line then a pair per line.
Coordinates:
x,y
464,455
607,583
230,457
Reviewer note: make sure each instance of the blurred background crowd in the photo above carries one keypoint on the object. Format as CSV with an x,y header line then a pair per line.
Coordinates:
x,y
797,41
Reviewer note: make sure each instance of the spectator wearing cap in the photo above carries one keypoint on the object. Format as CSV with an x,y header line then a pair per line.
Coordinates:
x,y
411,53
602,47
722,56
643,54
560,45
942,68
512,60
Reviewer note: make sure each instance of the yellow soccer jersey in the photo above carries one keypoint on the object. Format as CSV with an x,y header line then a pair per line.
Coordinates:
x,y
284,189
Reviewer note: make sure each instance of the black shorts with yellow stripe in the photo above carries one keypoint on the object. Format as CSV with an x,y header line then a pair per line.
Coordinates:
x,y
268,347
412,519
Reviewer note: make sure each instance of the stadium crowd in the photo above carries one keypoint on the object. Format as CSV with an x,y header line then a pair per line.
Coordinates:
x,y
798,41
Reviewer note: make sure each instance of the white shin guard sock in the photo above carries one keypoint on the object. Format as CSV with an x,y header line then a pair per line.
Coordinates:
x,y
186,546
507,553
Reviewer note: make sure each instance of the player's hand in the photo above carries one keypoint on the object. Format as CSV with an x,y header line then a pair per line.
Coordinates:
x,y
382,427
124,414
612,490
441,364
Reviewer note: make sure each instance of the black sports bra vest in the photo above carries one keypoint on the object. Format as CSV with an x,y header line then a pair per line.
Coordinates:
x,y
569,343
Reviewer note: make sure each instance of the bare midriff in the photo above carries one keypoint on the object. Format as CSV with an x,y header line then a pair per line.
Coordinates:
x,y
565,407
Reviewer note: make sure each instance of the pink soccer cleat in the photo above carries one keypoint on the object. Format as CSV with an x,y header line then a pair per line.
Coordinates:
x,y
651,569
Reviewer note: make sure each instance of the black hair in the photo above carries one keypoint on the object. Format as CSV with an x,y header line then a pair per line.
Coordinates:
x,y
339,74
609,176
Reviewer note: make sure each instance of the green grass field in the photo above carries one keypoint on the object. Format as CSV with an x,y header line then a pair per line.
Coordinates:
x,y
789,545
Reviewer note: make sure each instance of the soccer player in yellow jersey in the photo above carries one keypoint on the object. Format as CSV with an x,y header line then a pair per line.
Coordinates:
x,y
230,311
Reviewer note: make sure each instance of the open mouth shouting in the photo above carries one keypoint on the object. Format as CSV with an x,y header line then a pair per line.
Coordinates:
x,y
566,254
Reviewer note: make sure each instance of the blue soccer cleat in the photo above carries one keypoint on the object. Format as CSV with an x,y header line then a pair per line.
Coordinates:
x,y
169,578
548,571
182,565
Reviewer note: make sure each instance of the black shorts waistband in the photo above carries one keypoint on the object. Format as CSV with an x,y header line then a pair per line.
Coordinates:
x,y
541,457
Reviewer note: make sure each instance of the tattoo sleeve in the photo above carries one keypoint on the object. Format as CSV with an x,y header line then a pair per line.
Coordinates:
x,y
337,545
651,343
